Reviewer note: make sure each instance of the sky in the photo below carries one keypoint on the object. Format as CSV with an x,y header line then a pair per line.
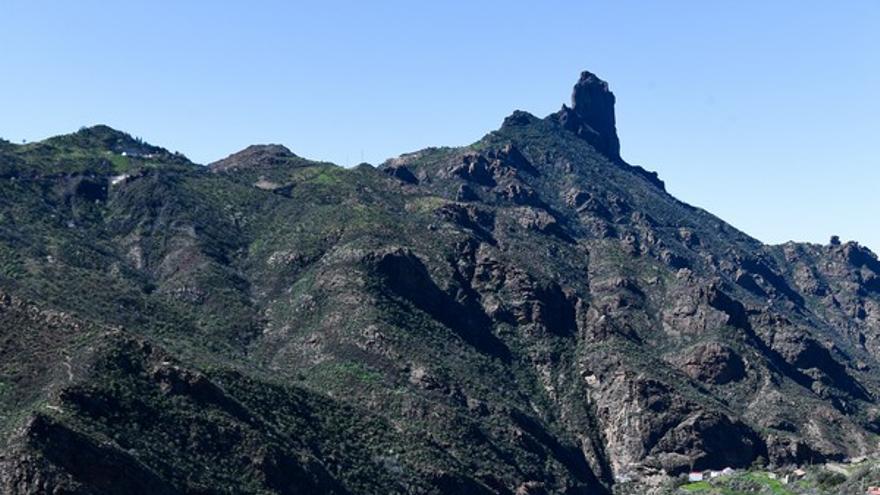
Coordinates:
x,y
763,113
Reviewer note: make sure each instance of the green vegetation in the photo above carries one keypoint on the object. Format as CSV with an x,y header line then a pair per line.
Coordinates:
x,y
333,374
697,487
350,332
818,480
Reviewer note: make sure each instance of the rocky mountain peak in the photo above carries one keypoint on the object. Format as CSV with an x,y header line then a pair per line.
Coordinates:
x,y
255,155
591,115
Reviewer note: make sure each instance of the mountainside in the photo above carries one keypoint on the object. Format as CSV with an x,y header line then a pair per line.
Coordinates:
x,y
528,314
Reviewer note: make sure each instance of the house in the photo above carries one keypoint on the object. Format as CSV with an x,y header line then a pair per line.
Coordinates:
x,y
695,476
873,490
717,474
117,179
772,476
799,473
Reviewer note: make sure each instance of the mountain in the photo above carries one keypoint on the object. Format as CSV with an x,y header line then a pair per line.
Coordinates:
x,y
527,314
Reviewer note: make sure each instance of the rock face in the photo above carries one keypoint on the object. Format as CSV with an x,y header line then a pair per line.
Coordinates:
x,y
527,314
713,363
591,115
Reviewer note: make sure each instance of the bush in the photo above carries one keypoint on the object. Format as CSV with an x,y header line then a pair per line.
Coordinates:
x,y
829,479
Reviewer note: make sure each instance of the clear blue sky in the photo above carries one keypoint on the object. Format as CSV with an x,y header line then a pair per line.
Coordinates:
x,y
764,113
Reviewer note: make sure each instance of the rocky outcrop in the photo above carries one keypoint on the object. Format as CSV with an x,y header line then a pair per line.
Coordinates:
x,y
466,193
591,115
23,473
649,424
99,467
406,276
492,167
401,173
712,363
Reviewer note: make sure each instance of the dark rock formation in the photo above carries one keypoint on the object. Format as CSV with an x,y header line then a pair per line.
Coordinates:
x,y
402,173
519,118
591,115
466,193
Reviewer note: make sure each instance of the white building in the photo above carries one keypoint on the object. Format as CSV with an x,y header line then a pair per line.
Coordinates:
x,y
695,476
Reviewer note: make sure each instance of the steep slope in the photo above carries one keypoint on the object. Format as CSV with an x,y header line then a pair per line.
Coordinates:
x,y
526,314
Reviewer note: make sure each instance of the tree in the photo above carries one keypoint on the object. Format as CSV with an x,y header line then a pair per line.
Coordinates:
x,y
760,462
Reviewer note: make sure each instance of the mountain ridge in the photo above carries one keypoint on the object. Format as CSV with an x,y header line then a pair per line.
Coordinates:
x,y
526,314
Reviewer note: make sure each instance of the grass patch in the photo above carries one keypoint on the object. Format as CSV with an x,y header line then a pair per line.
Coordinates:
x,y
776,487
425,204
697,487
119,163
334,373
743,483
326,177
